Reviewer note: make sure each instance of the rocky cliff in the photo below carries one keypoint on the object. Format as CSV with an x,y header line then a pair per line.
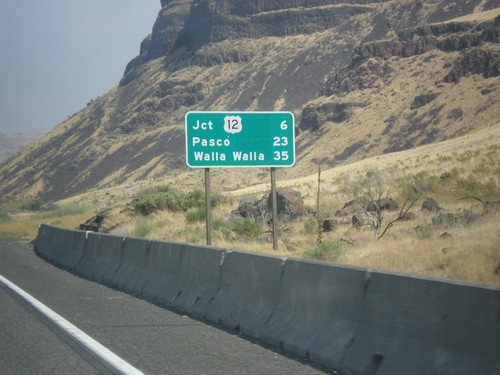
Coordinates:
x,y
363,77
470,38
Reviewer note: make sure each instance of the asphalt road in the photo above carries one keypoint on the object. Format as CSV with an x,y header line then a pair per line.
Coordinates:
x,y
150,338
27,346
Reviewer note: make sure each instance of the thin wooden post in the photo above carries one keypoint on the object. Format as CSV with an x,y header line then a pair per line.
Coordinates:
x,y
208,207
318,209
275,208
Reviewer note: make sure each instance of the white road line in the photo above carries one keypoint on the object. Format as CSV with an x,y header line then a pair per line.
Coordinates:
x,y
105,356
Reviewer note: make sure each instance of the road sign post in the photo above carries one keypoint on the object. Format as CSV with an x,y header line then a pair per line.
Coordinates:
x,y
208,207
240,139
275,208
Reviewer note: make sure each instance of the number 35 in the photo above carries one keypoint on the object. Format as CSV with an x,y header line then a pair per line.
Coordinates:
x,y
280,155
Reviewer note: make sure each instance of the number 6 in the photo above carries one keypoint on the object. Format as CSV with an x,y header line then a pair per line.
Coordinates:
x,y
284,125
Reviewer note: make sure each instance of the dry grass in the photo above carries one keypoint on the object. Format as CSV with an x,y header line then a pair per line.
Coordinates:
x,y
475,97
479,16
462,252
470,253
26,225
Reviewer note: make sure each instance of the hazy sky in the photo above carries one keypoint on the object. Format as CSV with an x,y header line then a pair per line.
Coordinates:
x,y
56,55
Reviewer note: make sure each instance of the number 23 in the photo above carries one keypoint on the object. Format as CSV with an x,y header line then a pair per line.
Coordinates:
x,y
280,141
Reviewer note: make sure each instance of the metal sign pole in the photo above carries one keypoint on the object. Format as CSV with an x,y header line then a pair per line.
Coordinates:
x,y
275,208
208,208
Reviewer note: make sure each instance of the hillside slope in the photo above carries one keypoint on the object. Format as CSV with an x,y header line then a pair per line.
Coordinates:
x,y
11,144
364,78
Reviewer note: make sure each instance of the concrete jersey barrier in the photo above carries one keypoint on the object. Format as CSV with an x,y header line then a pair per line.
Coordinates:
x,y
85,266
197,281
249,290
131,273
349,319
68,256
319,310
434,326
49,241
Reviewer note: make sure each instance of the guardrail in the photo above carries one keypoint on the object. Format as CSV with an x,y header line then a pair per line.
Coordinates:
x,y
349,319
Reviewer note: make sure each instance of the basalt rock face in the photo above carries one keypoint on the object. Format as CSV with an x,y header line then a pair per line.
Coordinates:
x,y
215,21
169,24
446,37
195,23
367,65
249,7
475,61
363,77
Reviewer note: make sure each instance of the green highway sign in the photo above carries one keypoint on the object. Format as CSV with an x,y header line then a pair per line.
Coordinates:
x,y
240,139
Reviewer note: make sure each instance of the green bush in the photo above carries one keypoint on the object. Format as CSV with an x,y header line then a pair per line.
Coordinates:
x,y
310,225
142,228
491,189
196,234
32,205
196,214
218,199
219,224
328,251
172,200
248,228
4,215
228,234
